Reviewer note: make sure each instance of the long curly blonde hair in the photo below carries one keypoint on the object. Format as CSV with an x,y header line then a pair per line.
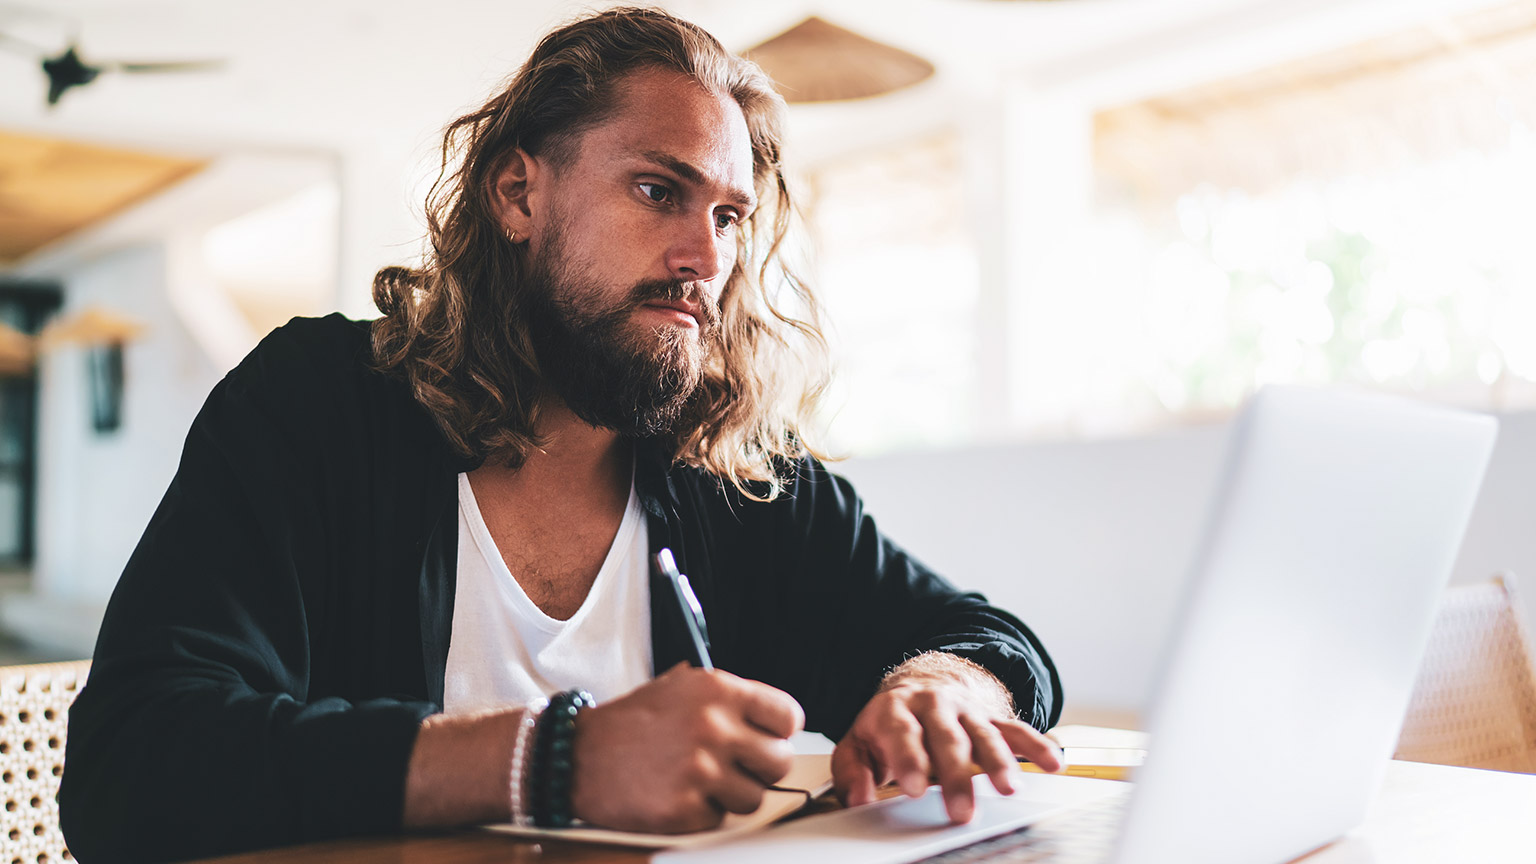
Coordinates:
x,y
454,328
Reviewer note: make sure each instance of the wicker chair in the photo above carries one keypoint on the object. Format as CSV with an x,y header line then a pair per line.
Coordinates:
x,y
1475,700
34,707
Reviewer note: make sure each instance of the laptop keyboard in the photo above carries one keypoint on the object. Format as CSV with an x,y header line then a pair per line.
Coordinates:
x,y
1082,835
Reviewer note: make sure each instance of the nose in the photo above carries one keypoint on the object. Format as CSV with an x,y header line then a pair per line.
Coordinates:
x,y
698,253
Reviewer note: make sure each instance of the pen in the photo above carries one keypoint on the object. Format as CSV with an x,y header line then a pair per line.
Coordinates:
x,y
688,604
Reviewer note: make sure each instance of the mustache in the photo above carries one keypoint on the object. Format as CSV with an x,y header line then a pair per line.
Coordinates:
x,y
674,289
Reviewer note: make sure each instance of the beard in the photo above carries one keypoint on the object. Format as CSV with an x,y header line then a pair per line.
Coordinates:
x,y
612,372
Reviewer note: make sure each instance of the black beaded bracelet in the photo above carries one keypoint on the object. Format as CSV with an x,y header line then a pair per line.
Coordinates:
x,y
552,766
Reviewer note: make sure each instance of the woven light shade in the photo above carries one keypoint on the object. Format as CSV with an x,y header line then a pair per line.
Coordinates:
x,y
17,352
91,326
817,61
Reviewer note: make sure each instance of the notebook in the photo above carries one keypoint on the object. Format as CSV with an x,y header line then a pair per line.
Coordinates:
x,y
1331,534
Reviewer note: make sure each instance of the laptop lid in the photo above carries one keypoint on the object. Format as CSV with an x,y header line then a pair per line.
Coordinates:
x,y
1332,533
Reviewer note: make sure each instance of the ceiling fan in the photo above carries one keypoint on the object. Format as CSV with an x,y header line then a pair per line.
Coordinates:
x,y
67,69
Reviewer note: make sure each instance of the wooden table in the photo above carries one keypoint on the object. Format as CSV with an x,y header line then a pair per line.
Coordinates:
x,y
1425,814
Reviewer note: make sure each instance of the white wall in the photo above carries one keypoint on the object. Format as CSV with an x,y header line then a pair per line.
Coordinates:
x,y
96,491
1500,537
1088,541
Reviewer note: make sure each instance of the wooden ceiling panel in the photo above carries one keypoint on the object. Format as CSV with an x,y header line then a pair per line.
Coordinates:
x,y
50,188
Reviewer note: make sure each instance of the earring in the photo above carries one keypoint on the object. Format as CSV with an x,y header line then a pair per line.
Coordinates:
x,y
512,235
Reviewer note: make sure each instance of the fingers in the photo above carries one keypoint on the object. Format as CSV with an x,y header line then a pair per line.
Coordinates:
x,y
771,709
712,789
1027,743
743,736
887,739
991,753
898,743
854,774
698,812
765,758
912,734
768,708
737,792
949,750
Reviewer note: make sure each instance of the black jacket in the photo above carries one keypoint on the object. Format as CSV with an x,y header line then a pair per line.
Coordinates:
x,y
283,626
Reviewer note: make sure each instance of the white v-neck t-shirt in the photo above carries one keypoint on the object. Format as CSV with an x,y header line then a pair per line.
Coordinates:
x,y
504,650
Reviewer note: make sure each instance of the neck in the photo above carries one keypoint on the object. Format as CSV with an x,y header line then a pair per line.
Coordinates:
x,y
572,445
577,462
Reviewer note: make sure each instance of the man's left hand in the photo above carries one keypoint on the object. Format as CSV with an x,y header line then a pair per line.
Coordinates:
x,y
934,718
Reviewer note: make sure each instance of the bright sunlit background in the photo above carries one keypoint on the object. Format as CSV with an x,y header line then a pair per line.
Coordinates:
x,y
1363,214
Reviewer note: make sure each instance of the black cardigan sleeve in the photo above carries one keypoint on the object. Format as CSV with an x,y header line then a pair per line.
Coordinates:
x,y
835,604
199,731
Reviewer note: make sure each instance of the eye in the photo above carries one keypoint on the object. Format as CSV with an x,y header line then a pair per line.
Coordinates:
x,y
656,193
727,219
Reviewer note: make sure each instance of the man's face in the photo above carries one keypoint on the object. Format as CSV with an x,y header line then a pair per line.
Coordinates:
x,y
637,237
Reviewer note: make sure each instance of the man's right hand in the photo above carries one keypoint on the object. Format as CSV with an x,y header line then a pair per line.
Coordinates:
x,y
679,752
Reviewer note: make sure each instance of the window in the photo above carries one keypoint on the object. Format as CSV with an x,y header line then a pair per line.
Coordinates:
x,y
1363,217
897,270
23,308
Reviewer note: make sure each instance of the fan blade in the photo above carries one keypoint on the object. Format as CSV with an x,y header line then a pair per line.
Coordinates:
x,y
169,66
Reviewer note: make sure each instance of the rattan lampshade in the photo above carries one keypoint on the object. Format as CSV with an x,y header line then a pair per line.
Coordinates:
x,y
817,61
17,352
92,325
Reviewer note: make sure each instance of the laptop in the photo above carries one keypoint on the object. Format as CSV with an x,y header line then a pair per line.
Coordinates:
x,y
1331,534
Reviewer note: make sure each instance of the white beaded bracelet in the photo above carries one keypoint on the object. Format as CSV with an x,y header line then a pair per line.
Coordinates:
x,y
531,712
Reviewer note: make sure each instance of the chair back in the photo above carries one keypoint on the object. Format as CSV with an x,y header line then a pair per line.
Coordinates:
x,y
34,710
1474,703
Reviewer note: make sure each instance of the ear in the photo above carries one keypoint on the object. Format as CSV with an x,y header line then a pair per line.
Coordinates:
x,y
515,191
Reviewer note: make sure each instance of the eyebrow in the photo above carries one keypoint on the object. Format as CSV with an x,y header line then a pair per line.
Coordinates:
x,y
740,197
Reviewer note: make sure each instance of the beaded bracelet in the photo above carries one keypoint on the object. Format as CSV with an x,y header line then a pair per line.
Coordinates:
x,y
553,765
525,727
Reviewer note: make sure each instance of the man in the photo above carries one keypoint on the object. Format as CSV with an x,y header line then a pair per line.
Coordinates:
x,y
385,541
